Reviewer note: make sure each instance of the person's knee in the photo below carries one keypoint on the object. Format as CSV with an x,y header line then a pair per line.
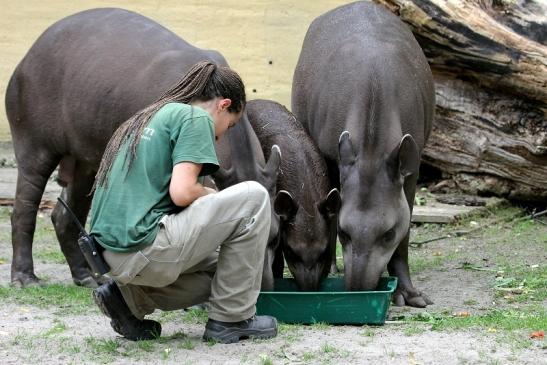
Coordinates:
x,y
258,192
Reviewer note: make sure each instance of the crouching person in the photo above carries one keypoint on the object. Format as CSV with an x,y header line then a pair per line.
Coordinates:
x,y
171,242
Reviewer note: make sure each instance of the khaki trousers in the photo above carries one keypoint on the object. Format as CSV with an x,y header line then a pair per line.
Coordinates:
x,y
211,251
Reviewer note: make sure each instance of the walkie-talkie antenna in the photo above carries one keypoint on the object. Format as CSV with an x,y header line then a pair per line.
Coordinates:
x,y
74,218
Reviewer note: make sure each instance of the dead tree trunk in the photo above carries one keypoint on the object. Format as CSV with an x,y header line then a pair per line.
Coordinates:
x,y
489,61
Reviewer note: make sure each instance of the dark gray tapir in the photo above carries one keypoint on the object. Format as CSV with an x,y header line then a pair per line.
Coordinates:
x,y
305,203
364,91
85,75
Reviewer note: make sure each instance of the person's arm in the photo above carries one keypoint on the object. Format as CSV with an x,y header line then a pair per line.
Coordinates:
x,y
184,187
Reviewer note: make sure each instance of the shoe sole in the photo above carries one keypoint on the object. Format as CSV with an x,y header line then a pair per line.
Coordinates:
x,y
117,326
98,298
101,303
232,335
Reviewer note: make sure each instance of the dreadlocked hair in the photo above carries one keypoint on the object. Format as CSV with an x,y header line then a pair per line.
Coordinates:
x,y
203,81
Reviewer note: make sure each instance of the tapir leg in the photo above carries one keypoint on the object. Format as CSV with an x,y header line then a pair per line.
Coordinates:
x,y
78,199
398,265
278,265
32,176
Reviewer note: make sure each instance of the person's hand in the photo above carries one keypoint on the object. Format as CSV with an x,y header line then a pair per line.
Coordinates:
x,y
210,190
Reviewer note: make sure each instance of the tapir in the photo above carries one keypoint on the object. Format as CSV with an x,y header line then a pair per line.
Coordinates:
x,y
83,77
363,90
305,204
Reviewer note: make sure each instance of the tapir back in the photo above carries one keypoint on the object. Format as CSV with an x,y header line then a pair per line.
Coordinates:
x,y
68,87
347,56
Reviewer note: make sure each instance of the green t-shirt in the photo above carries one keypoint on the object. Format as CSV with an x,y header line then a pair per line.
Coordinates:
x,y
125,213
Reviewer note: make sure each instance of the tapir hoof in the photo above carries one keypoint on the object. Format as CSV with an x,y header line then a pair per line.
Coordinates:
x,y
412,298
24,280
86,282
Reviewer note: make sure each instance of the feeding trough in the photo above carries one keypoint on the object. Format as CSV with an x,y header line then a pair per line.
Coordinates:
x,y
331,304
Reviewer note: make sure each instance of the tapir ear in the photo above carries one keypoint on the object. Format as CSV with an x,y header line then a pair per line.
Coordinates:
x,y
285,206
409,156
345,149
271,170
331,205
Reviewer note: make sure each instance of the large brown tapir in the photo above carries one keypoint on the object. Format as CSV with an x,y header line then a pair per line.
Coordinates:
x,y
85,75
364,91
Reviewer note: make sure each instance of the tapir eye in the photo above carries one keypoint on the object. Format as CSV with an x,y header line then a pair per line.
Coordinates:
x,y
389,236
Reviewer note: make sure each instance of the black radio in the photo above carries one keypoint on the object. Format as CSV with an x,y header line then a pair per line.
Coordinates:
x,y
90,249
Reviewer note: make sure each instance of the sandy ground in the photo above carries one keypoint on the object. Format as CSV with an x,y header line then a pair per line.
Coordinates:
x,y
389,344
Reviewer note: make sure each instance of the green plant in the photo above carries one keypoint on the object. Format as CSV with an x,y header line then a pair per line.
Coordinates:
x,y
187,344
265,359
327,348
58,327
99,346
195,316
67,299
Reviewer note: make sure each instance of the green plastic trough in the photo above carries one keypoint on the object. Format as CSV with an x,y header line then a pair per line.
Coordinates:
x,y
331,304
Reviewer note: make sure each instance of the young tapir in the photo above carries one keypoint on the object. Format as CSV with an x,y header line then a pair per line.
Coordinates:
x,y
363,90
306,207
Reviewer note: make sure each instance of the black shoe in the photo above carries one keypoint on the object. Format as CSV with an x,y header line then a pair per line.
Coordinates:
x,y
262,327
110,300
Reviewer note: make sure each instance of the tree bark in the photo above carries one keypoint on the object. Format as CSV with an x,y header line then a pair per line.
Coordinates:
x,y
489,61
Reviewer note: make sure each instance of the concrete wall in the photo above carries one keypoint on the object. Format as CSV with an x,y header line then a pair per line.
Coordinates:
x,y
250,34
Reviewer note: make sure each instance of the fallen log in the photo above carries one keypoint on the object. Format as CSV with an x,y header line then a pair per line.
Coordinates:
x,y
489,61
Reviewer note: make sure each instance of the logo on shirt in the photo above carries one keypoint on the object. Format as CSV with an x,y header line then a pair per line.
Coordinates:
x,y
148,133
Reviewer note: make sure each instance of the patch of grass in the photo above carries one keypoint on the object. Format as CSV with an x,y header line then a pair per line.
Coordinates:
x,y
516,340
67,346
413,329
522,283
165,353
100,346
264,359
419,263
50,255
58,327
211,342
289,332
470,302
5,212
368,332
308,356
187,344
328,348
69,299
531,318
319,326
146,346
24,340
195,316
169,316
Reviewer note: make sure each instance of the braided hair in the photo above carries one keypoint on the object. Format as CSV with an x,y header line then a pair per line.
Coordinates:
x,y
203,82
